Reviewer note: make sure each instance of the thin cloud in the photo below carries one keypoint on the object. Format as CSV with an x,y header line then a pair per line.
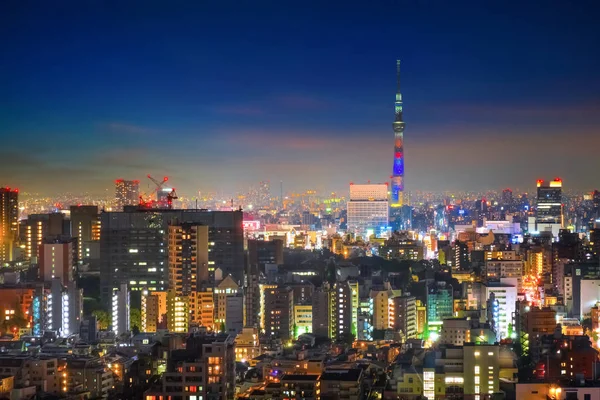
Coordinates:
x,y
240,110
584,113
303,102
131,129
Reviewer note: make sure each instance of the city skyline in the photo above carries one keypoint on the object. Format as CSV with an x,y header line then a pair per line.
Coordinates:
x,y
104,93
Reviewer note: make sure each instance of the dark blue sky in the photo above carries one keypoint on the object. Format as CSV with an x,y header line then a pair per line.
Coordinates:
x,y
219,94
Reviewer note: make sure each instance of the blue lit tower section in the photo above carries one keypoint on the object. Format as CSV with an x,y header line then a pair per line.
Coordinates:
x,y
397,178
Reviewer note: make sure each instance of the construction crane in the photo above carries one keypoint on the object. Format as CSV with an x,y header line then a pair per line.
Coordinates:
x,y
170,197
146,201
159,184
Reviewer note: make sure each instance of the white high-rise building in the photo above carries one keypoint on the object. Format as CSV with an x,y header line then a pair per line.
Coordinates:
x,y
501,302
368,209
64,308
120,310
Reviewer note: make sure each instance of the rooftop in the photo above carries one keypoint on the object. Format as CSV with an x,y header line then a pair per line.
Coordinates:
x,y
299,377
342,375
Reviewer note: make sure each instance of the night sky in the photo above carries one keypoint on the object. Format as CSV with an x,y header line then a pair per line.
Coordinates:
x,y
220,94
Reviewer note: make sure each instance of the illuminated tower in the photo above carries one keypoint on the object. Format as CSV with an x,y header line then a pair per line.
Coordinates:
x,y
397,178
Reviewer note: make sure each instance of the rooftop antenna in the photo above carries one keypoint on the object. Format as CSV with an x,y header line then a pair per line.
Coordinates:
x,y
398,95
398,106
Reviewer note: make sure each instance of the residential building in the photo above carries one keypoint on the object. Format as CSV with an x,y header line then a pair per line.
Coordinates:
x,y
344,300
178,314
56,261
261,252
247,344
340,384
303,319
456,331
9,222
204,370
150,313
224,290
300,387
321,314
127,193
279,312
440,305
85,226
379,298
87,374
64,308
401,246
234,314
500,302
403,316
188,257
120,310
202,312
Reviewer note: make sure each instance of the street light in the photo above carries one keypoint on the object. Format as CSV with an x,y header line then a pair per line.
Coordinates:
x,y
554,392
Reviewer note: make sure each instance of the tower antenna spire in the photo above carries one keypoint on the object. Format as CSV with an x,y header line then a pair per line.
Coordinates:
x,y
398,77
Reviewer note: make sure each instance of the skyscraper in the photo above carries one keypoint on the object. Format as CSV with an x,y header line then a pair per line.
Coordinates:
x,y
368,209
549,215
397,179
9,223
127,193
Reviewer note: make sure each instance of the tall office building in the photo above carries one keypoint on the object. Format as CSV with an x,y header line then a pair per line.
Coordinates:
x,y
397,179
85,226
134,246
127,193
368,209
9,222
549,212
